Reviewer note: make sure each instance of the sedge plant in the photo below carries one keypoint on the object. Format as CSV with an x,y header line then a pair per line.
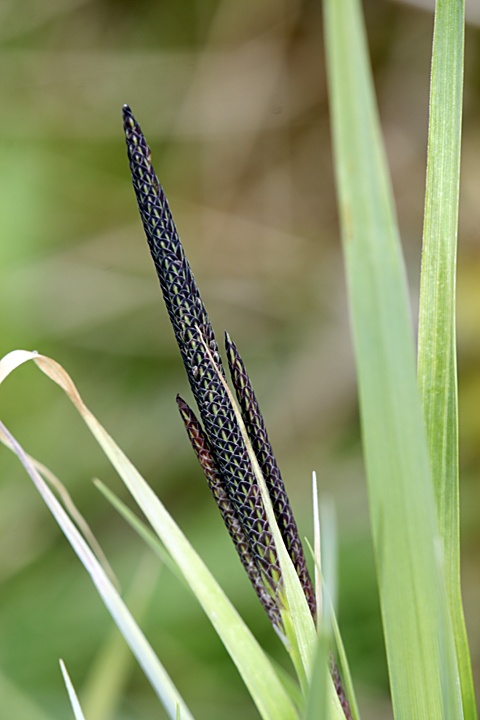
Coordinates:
x,y
409,425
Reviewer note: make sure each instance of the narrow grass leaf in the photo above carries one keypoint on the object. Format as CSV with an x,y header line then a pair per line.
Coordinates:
x,y
153,669
344,666
290,684
78,519
72,510
329,621
143,531
317,706
328,531
402,503
111,668
317,551
272,701
77,710
437,363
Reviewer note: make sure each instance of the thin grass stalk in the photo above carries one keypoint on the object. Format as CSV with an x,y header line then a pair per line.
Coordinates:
x,y
437,362
77,710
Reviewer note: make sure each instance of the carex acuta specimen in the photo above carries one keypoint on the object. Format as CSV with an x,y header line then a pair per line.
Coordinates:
x,y
217,437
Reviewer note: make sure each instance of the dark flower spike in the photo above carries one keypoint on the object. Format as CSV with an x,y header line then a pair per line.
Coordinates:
x,y
257,433
339,689
180,292
233,462
220,446
194,336
202,450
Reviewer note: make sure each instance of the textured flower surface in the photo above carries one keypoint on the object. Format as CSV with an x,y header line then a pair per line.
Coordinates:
x,y
219,444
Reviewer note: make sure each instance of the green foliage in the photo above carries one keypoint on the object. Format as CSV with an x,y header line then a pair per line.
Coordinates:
x,y
417,623
412,474
437,346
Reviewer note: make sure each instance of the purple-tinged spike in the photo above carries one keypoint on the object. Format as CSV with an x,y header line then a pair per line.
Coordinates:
x,y
203,452
339,689
257,433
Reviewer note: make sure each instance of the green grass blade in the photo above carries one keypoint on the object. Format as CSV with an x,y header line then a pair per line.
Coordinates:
x,y
153,669
110,671
345,668
329,619
289,683
437,370
77,710
77,518
418,638
317,699
327,571
269,695
143,531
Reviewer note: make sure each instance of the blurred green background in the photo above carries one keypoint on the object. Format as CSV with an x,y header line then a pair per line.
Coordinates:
x,y
232,98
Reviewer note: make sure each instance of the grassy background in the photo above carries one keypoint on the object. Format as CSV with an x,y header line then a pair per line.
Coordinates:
x,y
232,98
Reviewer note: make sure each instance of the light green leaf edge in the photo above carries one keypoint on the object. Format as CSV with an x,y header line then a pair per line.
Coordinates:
x,y
344,666
418,637
330,619
153,669
437,362
323,543
77,710
267,692
317,705
316,551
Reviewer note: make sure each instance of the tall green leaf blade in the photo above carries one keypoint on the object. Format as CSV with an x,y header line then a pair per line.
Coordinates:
x,y
153,669
267,692
418,638
437,366
317,705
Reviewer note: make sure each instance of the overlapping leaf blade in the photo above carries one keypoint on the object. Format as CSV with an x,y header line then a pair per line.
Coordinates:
x,y
418,637
269,695
437,367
